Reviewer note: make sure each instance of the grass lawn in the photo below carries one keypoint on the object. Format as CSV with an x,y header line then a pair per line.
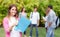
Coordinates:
x,y
42,32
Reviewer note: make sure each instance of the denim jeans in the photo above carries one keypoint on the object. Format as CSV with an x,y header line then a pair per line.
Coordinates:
x,y
50,32
34,25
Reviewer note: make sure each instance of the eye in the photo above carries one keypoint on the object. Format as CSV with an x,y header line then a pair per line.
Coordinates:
x,y
13,9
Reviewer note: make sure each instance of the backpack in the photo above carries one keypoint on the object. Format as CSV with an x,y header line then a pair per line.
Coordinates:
x,y
57,22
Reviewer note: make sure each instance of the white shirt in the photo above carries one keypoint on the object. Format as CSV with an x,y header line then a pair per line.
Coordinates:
x,y
34,17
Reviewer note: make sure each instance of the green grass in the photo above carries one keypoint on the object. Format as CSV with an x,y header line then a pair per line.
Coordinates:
x,y
42,32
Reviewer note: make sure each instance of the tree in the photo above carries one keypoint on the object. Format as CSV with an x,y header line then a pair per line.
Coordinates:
x,y
29,4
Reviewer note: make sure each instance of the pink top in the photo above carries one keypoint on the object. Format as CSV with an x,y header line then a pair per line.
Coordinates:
x,y
6,26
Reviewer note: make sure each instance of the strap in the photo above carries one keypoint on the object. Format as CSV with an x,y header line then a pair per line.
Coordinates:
x,y
56,21
31,14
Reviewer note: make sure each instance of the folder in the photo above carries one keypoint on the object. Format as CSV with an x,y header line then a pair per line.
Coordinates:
x,y
22,24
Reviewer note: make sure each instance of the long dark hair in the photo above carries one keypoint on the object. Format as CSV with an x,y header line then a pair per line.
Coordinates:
x,y
22,9
13,5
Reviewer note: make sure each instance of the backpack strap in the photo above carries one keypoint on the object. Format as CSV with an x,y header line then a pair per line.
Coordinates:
x,y
56,21
31,14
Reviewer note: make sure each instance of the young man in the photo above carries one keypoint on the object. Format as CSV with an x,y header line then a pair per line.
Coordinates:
x,y
50,22
34,18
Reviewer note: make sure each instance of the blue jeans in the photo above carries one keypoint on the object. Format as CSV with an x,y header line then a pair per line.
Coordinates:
x,y
34,25
50,32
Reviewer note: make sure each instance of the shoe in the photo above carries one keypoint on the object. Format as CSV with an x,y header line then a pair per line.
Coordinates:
x,y
29,36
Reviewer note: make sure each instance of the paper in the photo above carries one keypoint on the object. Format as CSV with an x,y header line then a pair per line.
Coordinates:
x,y
44,18
22,24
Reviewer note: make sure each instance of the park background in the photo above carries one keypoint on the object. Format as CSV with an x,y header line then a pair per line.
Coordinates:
x,y
29,4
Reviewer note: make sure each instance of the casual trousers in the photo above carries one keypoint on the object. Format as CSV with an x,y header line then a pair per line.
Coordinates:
x,y
50,32
34,25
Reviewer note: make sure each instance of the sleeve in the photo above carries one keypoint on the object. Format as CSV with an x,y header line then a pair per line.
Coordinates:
x,y
5,24
38,16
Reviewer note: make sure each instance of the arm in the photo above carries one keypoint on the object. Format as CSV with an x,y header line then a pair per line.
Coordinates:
x,y
5,24
38,19
50,20
38,23
49,24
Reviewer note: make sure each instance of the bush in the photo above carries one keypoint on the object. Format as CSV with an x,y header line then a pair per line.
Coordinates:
x,y
29,4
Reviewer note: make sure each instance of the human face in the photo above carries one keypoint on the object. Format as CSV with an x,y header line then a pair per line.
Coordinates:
x,y
23,9
48,9
35,9
13,11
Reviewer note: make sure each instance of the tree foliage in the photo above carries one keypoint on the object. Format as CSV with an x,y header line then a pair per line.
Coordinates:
x,y
29,4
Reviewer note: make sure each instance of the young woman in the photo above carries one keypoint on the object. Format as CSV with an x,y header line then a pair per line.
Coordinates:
x,y
10,21
23,13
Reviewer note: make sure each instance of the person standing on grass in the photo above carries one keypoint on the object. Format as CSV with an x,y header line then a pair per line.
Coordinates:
x,y
34,18
10,21
50,22
23,13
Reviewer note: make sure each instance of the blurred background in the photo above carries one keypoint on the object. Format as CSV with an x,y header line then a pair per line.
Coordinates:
x,y
29,4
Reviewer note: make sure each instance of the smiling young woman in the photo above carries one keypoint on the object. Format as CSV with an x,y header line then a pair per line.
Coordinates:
x,y
10,21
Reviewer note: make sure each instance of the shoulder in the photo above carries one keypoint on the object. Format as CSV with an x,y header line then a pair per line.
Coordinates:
x,y
37,13
5,19
52,12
